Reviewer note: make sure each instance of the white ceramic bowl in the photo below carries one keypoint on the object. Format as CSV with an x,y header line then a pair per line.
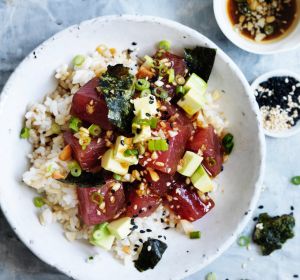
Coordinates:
x,y
290,42
240,180
280,72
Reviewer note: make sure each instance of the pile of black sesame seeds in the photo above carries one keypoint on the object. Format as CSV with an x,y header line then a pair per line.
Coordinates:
x,y
279,102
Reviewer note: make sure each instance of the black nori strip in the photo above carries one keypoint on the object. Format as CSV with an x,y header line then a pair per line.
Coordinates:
x,y
200,61
85,180
149,259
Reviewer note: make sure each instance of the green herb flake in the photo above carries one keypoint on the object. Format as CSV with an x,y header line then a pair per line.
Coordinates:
x,y
25,133
243,241
38,201
211,276
195,235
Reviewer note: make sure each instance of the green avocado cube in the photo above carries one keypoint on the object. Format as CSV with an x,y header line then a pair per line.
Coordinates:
x,y
122,144
192,101
201,180
145,106
110,163
189,163
120,228
196,83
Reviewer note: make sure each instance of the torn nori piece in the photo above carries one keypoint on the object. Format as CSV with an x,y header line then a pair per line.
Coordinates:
x,y
117,86
85,180
200,61
150,255
274,232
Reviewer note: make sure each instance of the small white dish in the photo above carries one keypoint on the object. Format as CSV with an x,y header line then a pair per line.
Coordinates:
x,y
241,179
289,42
278,73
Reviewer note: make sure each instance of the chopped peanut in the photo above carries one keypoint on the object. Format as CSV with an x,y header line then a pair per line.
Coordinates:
x,y
66,153
57,175
144,72
126,249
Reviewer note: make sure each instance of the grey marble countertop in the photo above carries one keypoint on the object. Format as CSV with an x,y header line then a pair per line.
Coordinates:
x,y
25,24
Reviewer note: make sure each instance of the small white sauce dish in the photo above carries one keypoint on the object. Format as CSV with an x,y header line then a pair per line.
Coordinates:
x,y
278,73
289,42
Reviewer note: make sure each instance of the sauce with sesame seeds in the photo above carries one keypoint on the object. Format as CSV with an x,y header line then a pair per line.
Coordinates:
x,y
263,20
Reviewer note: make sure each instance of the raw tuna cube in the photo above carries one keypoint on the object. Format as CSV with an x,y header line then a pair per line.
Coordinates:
x,y
208,141
184,201
88,159
89,105
140,205
93,213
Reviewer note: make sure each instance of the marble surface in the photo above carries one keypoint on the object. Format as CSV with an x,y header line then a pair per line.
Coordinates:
x,y
25,24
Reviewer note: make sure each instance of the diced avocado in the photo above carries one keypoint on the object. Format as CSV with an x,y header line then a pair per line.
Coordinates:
x,y
192,101
108,162
189,163
102,237
143,135
196,83
201,180
145,106
120,228
122,144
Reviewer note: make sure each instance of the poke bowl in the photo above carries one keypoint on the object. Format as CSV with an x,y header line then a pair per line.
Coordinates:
x,y
143,151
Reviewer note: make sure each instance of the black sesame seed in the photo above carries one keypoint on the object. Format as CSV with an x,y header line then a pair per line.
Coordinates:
x,y
151,102
187,251
122,142
148,115
162,220
166,228
292,208
135,249
148,230
136,245
255,219
159,236
141,240
260,207
165,238
295,275
132,222
142,231
134,43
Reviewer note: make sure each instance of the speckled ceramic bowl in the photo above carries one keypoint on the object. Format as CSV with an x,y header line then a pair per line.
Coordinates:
x,y
239,183
262,78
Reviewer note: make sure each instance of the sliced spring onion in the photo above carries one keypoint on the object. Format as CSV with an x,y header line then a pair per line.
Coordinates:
x,y
78,60
131,152
145,92
195,235
158,145
97,198
99,231
295,180
243,241
55,128
94,130
142,84
228,143
161,93
38,201
211,276
84,142
75,168
269,29
171,73
149,61
151,122
117,177
180,90
75,123
166,45
24,134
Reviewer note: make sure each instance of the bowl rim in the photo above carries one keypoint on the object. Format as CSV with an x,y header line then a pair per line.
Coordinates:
x,y
278,72
261,139
262,50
